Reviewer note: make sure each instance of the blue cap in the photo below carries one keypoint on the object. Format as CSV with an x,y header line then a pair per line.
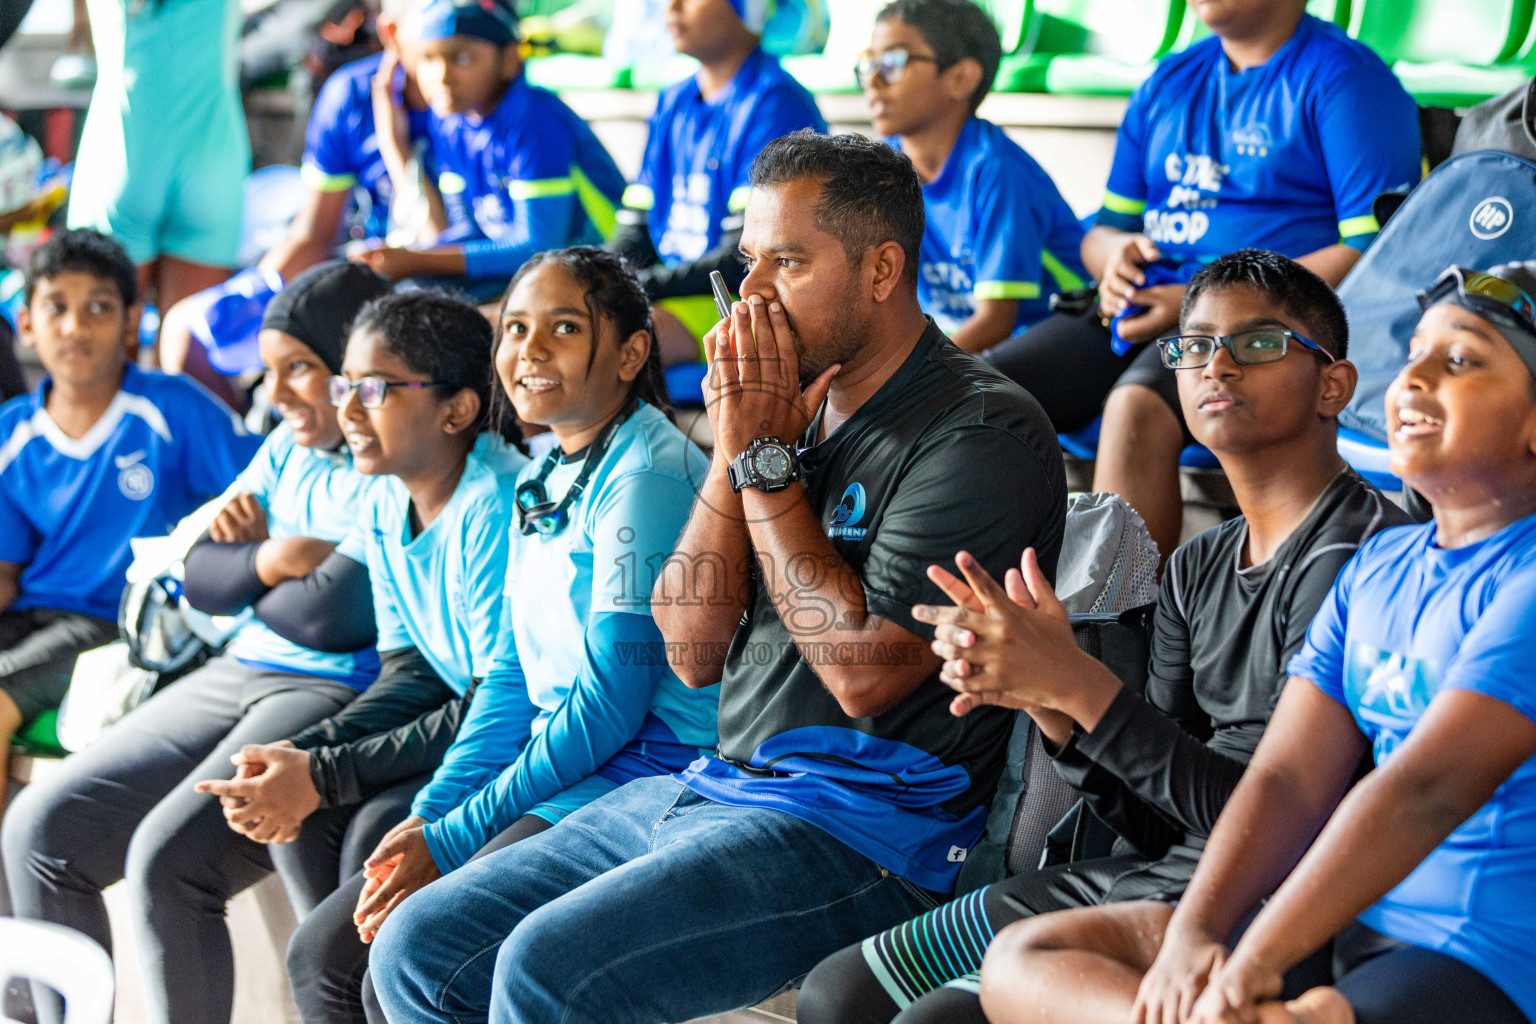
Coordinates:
x,y
491,20
753,13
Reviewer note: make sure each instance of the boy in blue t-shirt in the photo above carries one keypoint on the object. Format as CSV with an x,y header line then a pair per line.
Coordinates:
x,y
517,170
100,453
1000,239
1418,663
682,217
1275,133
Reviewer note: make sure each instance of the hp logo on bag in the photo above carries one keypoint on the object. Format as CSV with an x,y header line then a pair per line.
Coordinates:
x,y
1491,218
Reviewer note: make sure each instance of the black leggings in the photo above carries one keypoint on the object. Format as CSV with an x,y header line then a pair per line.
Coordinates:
x,y
328,963
1067,364
1392,982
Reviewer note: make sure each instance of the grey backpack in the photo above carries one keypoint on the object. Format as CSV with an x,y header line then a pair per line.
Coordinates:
x,y
1506,123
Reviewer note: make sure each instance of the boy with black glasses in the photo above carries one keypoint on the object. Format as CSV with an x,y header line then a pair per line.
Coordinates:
x,y
1000,239
1262,376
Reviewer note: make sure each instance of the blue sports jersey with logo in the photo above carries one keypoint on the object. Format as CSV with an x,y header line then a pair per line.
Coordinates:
x,y
69,506
340,149
527,177
997,229
1286,156
1406,621
697,160
306,492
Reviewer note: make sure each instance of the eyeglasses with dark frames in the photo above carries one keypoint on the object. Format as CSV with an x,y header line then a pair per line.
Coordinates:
x,y
891,65
1247,348
371,391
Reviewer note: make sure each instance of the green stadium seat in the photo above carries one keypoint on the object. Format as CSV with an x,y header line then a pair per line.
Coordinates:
x,y
1103,47
1450,52
562,71
1448,84
1476,32
41,737
1014,19
660,74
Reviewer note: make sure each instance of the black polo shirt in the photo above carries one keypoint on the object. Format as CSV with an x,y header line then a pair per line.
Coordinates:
x,y
948,455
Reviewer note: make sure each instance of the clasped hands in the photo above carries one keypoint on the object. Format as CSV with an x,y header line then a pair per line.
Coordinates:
x,y
754,388
401,864
1194,980
272,794
1008,645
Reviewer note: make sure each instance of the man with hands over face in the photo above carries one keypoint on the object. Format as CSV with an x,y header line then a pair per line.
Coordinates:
x,y
843,795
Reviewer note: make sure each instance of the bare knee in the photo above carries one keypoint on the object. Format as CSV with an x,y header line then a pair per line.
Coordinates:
x,y
1136,419
1025,938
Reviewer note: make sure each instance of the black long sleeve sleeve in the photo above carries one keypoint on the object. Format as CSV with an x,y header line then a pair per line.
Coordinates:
x,y
352,772
1223,636
406,688
329,610
692,278
1148,776
220,579
632,239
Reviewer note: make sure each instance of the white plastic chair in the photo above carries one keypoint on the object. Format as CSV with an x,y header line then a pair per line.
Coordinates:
x,y
64,959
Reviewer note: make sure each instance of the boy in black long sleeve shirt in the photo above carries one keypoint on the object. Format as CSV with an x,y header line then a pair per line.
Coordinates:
x,y
1262,375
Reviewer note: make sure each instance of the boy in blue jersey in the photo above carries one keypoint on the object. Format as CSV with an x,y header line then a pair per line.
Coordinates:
x,y
517,170
682,216
124,808
213,333
1276,133
1000,239
100,453
1418,661
842,791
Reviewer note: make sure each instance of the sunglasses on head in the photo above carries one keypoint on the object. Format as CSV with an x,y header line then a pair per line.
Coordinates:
x,y
1247,348
1496,300
889,65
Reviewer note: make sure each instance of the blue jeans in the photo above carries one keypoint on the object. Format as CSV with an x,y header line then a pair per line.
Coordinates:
x,y
651,904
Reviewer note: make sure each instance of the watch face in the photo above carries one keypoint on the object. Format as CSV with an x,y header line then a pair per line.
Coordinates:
x,y
772,464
